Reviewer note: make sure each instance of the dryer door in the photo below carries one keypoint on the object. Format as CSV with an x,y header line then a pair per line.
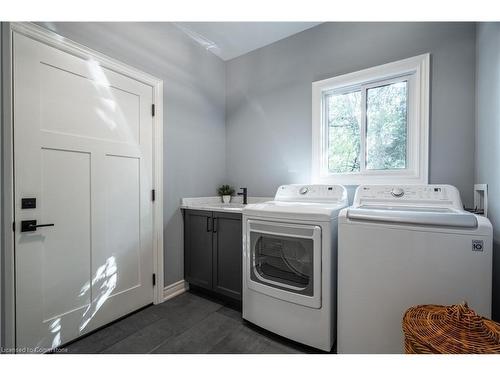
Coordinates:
x,y
284,261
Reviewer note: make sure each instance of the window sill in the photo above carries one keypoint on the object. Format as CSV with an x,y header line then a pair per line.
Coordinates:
x,y
370,179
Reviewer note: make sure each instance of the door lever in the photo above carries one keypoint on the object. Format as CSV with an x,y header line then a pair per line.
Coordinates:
x,y
31,225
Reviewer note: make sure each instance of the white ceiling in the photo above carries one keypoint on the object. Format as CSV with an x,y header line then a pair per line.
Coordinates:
x,y
232,39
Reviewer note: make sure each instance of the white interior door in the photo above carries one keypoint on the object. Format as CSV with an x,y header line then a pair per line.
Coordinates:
x,y
82,148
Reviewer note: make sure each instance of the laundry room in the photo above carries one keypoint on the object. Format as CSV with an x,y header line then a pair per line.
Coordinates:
x,y
212,183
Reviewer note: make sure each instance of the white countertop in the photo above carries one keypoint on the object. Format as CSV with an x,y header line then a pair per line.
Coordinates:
x,y
215,203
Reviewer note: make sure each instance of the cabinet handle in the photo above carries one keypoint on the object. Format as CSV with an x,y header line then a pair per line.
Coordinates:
x,y
214,229
209,224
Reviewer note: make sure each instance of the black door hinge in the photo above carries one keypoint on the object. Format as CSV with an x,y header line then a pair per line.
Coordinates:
x,y
13,226
154,279
153,195
153,110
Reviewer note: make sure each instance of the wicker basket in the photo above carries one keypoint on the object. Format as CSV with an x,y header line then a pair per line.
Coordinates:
x,y
452,329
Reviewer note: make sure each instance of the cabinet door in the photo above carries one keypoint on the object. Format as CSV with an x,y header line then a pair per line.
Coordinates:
x,y
198,247
228,248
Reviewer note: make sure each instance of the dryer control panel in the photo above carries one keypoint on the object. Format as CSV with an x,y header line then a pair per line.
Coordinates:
x,y
425,195
311,193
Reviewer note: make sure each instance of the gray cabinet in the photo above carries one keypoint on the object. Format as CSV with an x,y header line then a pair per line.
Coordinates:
x,y
197,247
213,251
227,252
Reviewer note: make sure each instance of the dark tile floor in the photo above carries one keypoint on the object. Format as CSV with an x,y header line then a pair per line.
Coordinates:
x,y
189,323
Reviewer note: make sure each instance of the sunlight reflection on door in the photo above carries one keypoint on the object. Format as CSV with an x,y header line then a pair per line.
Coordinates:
x,y
55,328
109,111
105,282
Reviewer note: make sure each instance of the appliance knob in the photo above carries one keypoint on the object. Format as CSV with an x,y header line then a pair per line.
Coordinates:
x,y
303,190
397,192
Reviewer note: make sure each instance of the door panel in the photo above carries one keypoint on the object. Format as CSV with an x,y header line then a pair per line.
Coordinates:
x,y
122,220
106,112
56,261
198,245
228,250
66,246
83,149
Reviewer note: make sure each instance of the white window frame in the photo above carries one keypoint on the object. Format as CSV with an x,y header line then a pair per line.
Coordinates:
x,y
416,69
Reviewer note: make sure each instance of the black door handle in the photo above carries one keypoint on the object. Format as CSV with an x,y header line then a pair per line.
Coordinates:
x,y
31,225
209,224
214,225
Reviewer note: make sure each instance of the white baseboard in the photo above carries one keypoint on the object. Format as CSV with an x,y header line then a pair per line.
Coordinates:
x,y
172,290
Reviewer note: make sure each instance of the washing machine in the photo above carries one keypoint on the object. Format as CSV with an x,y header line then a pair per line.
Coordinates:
x,y
401,246
290,263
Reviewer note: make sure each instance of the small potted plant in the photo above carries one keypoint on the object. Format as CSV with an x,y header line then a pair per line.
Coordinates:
x,y
225,191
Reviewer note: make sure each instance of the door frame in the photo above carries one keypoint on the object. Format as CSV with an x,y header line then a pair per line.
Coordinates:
x,y
40,34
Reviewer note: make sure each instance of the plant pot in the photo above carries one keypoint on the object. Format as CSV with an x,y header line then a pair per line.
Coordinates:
x,y
226,198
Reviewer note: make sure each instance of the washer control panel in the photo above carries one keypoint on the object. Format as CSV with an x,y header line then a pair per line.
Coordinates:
x,y
303,190
397,192
320,193
415,194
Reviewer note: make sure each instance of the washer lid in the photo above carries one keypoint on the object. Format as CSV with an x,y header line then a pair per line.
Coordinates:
x,y
445,217
429,205
304,202
309,211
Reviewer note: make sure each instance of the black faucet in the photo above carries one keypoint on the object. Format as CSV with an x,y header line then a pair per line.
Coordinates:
x,y
245,194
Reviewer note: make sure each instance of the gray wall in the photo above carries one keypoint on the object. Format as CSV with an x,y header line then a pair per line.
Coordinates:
x,y
488,135
268,104
194,108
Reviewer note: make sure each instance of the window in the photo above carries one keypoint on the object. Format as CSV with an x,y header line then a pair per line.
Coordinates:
x,y
371,126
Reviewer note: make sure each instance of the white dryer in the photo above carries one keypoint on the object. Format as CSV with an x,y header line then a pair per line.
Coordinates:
x,y
290,263
403,246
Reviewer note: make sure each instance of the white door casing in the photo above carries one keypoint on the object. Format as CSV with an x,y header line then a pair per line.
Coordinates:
x,y
83,147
